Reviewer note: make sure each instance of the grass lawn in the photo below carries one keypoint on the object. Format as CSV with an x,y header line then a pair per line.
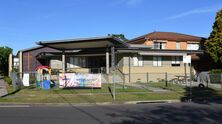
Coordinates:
x,y
197,93
130,93
33,90
33,95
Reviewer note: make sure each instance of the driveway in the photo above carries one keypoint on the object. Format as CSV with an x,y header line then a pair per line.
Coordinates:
x,y
3,90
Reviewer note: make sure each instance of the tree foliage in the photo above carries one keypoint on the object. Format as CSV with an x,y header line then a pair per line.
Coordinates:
x,y
214,43
4,54
120,36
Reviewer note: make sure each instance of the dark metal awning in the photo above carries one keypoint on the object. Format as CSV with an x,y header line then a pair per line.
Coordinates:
x,y
84,43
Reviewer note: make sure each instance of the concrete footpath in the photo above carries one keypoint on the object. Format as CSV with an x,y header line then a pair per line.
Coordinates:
x,y
153,89
3,90
85,104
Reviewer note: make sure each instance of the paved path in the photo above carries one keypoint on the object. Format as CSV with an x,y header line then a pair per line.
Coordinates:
x,y
3,90
154,89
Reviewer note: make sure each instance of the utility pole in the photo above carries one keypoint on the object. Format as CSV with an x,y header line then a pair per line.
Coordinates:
x,y
113,70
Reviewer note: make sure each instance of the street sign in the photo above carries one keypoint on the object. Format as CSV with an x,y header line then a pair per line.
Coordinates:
x,y
187,59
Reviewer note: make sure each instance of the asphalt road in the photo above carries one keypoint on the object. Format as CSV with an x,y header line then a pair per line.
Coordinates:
x,y
113,114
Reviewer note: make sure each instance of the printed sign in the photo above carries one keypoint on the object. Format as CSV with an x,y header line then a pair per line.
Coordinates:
x,y
186,59
25,79
69,80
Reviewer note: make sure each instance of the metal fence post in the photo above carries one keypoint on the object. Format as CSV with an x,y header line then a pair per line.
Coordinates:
x,y
166,78
147,77
221,79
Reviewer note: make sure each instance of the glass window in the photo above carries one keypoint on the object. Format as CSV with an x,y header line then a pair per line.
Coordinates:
x,y
157,61
71,61
138,60
193,46
77,61
159,45
175,61
177,45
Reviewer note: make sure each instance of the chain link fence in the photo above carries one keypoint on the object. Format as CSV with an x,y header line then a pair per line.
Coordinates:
x,y
175,78
209,80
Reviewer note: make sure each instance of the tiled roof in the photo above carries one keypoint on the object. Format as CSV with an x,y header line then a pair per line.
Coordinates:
x,y
167,36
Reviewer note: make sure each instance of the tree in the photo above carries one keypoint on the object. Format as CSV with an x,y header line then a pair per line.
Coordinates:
x,y
214,43
4,54
120,36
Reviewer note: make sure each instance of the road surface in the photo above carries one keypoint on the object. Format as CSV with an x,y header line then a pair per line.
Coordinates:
x,y
183,113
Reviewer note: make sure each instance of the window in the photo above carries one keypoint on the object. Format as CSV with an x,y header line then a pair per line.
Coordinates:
x,y
193,46
16,62
175,61
177,45
157,61
76,62
71,62
159,45
138,60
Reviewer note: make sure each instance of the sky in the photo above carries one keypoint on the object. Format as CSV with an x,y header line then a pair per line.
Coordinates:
x,y
25,22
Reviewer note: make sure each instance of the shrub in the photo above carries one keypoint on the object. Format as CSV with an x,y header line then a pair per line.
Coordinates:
x,y
55,71
215,75
216,71
32,79
8,80
15,70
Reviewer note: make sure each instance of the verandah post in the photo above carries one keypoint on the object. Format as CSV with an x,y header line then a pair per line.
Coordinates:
x,y
63,62
107,61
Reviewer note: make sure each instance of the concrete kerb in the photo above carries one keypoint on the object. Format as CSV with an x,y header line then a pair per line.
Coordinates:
x,y
84,104
152,101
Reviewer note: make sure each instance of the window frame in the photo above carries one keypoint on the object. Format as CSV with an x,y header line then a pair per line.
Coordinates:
x,y
175,61
160,45
77,62
178,45
158,61
138,60
191,47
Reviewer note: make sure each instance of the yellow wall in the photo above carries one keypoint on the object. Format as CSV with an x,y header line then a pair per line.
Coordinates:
x,y
149,43
151,69
170,44
183,45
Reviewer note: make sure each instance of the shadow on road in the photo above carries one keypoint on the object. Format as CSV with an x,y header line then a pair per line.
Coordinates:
x,y
168,114
202,95
81,110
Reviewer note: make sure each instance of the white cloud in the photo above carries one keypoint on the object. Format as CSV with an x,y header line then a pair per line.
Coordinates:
x,y
210,9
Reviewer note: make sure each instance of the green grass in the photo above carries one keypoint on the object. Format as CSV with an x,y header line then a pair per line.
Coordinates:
x,y
33,90
33,95
91,98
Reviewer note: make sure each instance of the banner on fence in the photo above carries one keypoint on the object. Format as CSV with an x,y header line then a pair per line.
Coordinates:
x,y
25,79
187,59
72,80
